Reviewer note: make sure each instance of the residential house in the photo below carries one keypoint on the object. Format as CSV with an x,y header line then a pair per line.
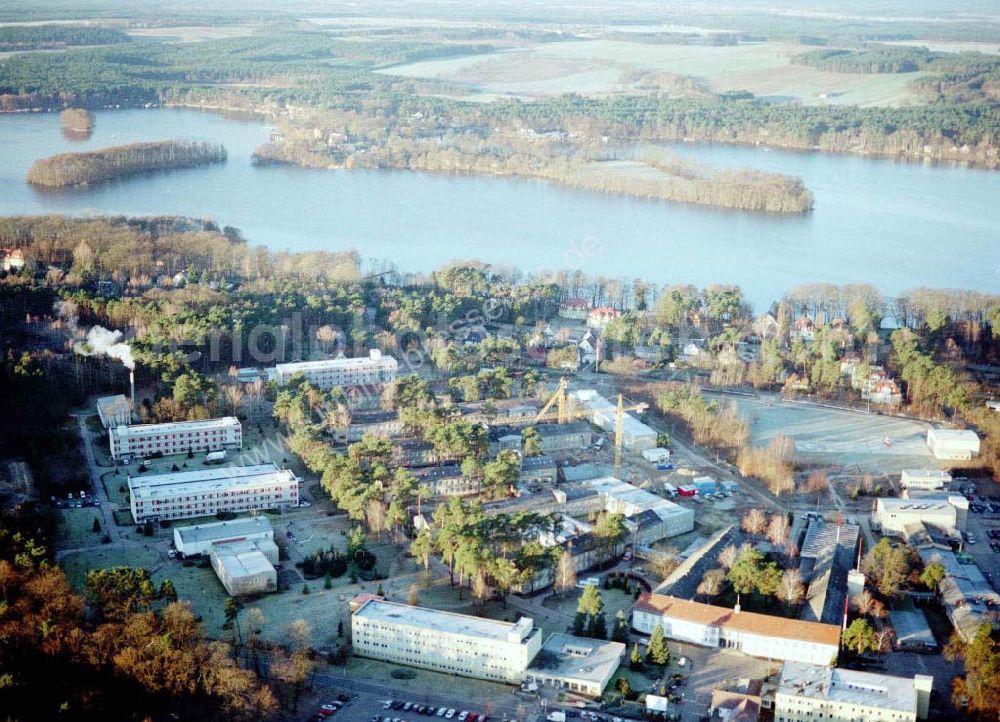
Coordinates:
x,y
804,329
574,308
600,317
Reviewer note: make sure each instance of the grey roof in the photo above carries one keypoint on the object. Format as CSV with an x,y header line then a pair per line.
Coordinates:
x,y
537,462
573,427
585,471
569,657
880,691
827,556
912,628
216,530
684,580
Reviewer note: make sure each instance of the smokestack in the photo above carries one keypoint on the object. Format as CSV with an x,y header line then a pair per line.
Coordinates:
x,y
131,386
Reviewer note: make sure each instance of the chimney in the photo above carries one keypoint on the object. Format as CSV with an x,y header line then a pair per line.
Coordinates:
x,y
131,386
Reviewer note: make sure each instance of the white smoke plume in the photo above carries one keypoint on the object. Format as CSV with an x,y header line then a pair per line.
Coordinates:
x,y
102,342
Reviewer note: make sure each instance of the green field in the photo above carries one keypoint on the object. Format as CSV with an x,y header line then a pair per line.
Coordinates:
x,y
596,67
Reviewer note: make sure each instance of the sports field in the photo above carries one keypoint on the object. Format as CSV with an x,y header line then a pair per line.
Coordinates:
x,y
880,444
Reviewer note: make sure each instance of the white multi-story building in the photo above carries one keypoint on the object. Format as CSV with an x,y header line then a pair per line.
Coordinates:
x,y
658,517
809,692
200,538
144,440
759,635
114,411
444,641
205,492
370,370
924,479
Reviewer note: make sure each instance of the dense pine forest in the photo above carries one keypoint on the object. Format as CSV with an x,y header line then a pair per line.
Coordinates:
x,y
50,37
74,169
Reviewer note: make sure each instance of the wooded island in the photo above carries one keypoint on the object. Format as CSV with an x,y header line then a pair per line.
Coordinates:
x,y
75,169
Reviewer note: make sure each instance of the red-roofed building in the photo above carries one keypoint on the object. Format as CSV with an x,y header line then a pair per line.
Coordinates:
x,y
600,317
574,308
358,600
758,635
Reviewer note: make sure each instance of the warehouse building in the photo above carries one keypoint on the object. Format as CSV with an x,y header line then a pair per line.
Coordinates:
x,y
575,664
370,370
636,436
924,479
198,539
953,444
653,517
246,567
206,492
444,641
968,597
114,411
827,555
758,635
807,692
145,440
538,470
896,516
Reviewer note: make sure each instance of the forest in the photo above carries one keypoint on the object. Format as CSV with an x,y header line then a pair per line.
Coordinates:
x,y
98,166
54,36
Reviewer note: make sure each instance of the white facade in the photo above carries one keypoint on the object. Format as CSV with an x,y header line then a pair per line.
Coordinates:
x,y
344,372
809,692
200,538
144,440
622,498
444,641
114,411
205,492
893,515
924,479
636,436
757,635
953,444
246,567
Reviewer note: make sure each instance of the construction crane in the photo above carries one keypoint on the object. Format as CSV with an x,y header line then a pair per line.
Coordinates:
x,y
560,397
620,430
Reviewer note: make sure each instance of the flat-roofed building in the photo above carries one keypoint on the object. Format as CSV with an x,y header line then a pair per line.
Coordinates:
x,y
924,479
205,492
371,370
114,411
246,567
827,555
145,440
444,641
200,538
538,470
758,635
892,515
575,664
656,518
953,444
808,692
553,438
636,436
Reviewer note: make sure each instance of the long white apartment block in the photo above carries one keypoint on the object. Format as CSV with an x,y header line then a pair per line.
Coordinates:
x,y
205,492
444,641
375,368
144,440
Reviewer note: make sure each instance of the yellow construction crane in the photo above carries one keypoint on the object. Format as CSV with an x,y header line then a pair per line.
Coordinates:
x,y
620,430
560,397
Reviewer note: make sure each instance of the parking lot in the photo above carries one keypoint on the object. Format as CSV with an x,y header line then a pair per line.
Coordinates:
x,y
983,527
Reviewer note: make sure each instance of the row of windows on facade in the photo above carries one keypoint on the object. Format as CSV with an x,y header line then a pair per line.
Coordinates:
x,y
171,503
421,660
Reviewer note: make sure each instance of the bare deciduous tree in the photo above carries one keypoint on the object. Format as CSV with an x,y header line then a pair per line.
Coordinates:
x,y
791,590
565,573
754,522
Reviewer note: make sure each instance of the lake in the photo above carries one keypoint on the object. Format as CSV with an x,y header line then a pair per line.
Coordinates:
x,y
891,224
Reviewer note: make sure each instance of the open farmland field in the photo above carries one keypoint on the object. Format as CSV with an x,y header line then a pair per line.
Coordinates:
x,y
192,33
596,67
843,438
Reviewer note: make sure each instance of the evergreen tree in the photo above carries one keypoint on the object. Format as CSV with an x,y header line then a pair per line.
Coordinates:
x,y
635,659
620,632
96,528
599,626
580,624
658,653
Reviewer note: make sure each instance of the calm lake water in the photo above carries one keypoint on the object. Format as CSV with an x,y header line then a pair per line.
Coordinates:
x,y
891,224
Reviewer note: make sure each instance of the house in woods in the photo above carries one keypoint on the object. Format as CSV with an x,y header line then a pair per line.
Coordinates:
x,y
796,383
12,260
804,329
574,308
600,317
